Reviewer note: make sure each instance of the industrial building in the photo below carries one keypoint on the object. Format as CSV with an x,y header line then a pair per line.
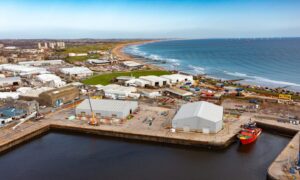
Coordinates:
x,y
30,94
51,80
132,64
77,71
178,93
116,91
137,82
41,63
59,96
22,69
10,81
199,116
98,61
155,81
177,78
104,108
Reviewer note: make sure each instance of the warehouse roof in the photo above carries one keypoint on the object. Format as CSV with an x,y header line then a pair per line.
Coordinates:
x,y
202,109
22,69
76,70
132,64
39,63
107,105
10,79
152,78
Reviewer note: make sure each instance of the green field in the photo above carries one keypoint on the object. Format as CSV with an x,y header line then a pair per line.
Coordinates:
x,y
105,79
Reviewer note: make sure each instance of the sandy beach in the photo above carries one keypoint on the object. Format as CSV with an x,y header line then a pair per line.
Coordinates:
x,y
118,51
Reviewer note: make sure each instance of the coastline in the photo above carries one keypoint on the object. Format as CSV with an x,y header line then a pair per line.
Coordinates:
x,y
118,51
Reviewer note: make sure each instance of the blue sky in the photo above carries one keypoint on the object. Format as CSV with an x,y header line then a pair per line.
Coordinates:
x,y
149,19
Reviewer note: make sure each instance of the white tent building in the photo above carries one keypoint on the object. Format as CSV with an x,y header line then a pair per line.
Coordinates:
x,y
199,116
107,108
22,69
77,71
51,79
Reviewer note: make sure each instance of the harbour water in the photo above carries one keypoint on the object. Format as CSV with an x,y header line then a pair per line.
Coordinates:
x,y
71,156
268,62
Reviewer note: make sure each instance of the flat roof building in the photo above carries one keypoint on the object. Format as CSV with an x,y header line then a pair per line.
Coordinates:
x,y
155,81
77,71
57,97
199,116
176,78
10,81
132,64
41,63
22,69
107,108
51,80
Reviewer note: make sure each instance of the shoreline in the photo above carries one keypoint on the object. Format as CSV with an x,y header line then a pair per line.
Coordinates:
x,y
118,51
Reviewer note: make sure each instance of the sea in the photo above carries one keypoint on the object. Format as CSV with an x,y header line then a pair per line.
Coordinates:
x,y
272,62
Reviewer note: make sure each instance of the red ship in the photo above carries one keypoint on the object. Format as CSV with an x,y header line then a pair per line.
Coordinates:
x,y
249,133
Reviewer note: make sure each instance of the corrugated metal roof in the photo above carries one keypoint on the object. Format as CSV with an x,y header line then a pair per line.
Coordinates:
x,y
202,109
107,105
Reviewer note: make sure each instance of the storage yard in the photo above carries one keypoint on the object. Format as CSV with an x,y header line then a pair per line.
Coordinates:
x,y
107,95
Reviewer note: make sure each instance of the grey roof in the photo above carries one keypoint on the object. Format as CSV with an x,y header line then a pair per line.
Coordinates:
x,y
107,105
202,109
10,79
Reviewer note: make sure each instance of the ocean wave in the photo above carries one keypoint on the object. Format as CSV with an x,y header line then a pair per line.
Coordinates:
x,y
135,50
258,79
197,69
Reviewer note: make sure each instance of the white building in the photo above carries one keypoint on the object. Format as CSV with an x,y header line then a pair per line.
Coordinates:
x,y
77,54
22,69
177,78
77,71
132,64
10,81
98,61
118,92
200,117
106,108
12,95
41,63
51,79
155,81
137,82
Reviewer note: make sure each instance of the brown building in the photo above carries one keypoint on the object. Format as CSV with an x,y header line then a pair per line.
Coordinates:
x,y
59,96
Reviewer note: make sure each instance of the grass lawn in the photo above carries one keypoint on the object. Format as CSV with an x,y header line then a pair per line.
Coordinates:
x,y
105,79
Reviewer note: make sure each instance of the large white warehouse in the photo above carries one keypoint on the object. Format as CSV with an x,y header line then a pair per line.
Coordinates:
x,y
199,116
107,108
77,71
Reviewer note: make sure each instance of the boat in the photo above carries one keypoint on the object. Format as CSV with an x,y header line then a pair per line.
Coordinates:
x,y
249,133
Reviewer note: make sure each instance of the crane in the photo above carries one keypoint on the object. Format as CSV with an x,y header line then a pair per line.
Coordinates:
x,y
92,121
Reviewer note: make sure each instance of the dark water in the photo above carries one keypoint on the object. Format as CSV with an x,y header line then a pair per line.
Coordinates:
x,y
270,62
69,156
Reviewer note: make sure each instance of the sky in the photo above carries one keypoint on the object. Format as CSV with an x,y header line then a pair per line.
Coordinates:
x,y
192,19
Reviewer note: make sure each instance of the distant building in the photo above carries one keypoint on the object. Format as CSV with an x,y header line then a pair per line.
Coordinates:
x,y
22,69
107,108
77,54
10,81
98,61
51,80
59,96
1,46
41,63
177,78
178,93
77,71
200,117
132,65
115,91
155,81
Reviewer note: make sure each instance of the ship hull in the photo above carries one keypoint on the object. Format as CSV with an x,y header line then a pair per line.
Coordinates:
x,y
250,140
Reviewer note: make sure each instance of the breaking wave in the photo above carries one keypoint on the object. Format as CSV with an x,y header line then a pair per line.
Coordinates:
x,y
258,79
